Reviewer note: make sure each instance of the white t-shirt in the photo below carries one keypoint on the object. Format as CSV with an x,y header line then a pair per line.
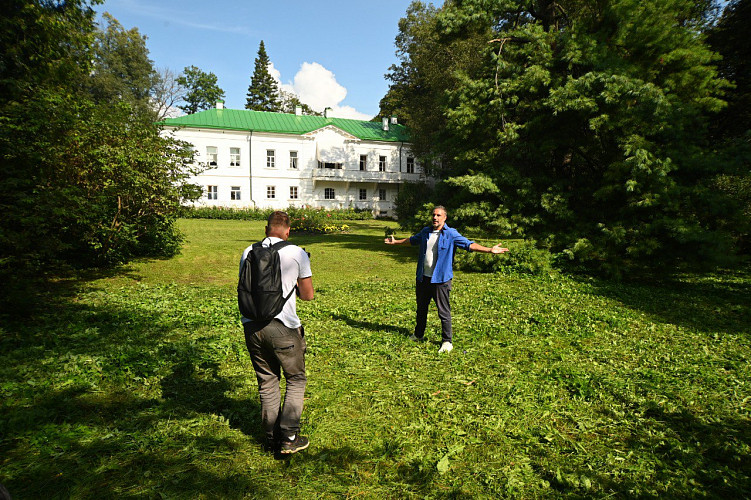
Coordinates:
x,y
295,264
431,254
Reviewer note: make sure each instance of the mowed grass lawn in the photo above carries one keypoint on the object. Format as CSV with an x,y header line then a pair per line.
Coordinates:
x,y
138,383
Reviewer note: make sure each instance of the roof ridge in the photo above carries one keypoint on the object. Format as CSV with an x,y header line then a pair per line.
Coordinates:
x,y
286,123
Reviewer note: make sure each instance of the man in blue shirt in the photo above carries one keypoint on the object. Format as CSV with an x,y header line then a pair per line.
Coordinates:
x,y
435,271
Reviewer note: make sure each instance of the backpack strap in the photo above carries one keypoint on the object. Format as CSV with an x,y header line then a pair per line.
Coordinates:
x,y
278,246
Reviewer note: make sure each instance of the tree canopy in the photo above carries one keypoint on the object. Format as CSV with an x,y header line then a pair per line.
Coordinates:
x,y
87,177
202,90
579,123
122,70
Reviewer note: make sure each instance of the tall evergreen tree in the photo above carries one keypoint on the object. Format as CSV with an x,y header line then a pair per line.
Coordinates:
x,y
263,92
580,123
732,131
729,38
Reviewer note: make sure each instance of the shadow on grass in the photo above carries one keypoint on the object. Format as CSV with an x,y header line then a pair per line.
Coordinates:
x,y
111,433
399,253
719,304
664,454
374,327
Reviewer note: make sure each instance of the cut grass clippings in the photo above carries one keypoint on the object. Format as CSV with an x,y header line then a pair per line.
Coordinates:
x,y
138,384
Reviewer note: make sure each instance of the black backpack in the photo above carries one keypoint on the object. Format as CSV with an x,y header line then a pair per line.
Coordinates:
x,y
259,290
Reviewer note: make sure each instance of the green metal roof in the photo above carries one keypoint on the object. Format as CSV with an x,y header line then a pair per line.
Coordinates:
x,y
284,123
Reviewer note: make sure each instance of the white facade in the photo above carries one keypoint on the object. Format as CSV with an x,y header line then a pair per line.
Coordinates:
x,y
277,170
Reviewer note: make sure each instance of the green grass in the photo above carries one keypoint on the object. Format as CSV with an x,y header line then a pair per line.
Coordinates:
x,y
138,383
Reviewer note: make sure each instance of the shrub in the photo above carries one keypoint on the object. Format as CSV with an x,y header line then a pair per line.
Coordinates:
x,y
523,257
315,221
225,213
229,213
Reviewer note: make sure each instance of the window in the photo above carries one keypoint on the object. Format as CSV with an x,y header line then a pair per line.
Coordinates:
x,y
211,155
382,194
330,165
234,157
270,192
328,194
293,192
270,158
381,163
410,165
363,194
211,193
234,193
293,159
363,162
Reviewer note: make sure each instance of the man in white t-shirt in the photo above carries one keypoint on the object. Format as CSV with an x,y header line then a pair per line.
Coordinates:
x,y
278,345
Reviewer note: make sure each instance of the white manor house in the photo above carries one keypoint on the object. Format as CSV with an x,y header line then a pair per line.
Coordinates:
x,y
276,160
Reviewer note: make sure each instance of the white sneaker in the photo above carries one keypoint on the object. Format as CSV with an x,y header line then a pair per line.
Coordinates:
x,y
446,347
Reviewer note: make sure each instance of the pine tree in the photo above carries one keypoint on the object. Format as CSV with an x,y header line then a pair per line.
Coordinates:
x,y
578,123
263,92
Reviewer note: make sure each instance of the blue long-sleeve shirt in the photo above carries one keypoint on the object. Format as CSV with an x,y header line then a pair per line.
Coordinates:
x,y
448,239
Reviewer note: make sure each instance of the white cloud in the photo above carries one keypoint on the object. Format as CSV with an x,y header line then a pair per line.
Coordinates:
x,y
349,112
317,87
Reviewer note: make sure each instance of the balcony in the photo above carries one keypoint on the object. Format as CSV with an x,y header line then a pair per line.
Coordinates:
x,y
343,175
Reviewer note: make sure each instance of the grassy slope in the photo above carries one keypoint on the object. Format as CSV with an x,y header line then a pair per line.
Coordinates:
x,y
139,384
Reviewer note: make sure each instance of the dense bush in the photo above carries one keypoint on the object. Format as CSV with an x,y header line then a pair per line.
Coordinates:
x,y
523,257
312,220
583,128
225,213
315,221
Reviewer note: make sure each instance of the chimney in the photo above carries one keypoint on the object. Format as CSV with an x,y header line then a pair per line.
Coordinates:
x,y
220,104
298,110
393,119
327,113
385,122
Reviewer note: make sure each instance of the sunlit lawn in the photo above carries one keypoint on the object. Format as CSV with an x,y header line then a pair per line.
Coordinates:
x,y
138,383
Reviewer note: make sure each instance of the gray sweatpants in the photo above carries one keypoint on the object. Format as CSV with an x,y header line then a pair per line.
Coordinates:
x,y
274,349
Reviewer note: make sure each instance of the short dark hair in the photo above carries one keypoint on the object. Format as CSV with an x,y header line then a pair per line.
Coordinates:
x,y
441,207
278,218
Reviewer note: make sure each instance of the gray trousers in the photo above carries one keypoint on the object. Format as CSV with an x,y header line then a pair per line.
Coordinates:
x,y
274,349
441,294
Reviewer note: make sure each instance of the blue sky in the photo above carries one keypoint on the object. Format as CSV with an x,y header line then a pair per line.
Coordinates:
x,y
331,53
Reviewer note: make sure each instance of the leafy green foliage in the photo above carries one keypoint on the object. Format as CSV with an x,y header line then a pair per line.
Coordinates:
x,y
523,257
202,90
729,38
290,101
87,179
263,92
122,68
412,196
572,121
227,213
140,383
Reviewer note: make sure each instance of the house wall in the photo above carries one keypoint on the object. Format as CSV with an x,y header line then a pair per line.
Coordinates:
x,y
252,178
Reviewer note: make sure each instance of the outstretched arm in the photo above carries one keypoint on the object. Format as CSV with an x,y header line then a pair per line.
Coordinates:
x,y
393,241
476,247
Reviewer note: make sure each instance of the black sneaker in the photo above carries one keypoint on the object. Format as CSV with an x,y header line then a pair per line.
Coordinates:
x,y
294,445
